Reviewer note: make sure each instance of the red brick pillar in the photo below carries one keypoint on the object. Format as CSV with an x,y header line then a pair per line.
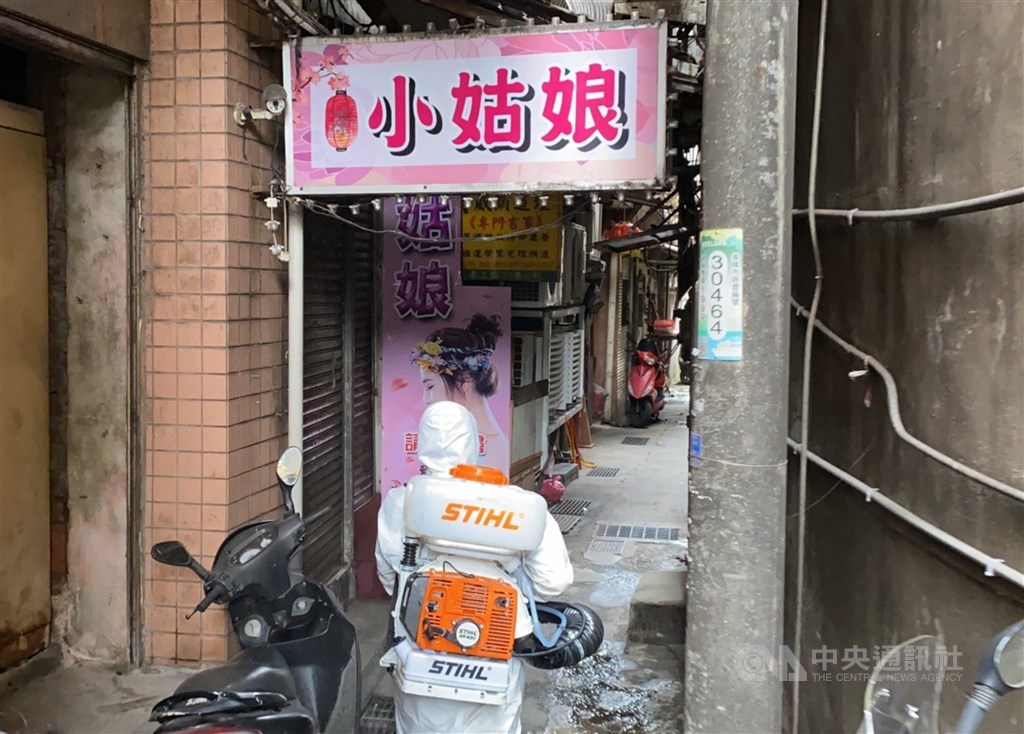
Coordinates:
x,y
215,307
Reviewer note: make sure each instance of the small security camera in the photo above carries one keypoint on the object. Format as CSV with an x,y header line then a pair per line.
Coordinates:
x,y
275,98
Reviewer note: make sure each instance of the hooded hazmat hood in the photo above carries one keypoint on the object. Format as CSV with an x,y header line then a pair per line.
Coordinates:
x,y
448,437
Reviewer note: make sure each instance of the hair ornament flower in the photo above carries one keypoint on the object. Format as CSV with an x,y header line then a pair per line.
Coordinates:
x,y
434,357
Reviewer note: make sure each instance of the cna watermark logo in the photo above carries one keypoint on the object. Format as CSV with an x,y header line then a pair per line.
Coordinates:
x,y
909,663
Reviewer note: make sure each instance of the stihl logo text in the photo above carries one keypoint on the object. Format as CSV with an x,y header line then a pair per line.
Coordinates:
x,y
473,515
458,670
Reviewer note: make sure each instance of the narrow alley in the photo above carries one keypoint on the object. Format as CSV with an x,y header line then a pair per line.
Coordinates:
x,y
312,310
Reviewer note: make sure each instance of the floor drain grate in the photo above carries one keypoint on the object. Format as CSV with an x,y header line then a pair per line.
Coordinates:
x,y
648,533
571,507
378,716
603,471
567,522
635,441
616,547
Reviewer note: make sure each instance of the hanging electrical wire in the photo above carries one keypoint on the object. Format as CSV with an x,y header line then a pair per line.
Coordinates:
x,y
331,210
805,388
657,207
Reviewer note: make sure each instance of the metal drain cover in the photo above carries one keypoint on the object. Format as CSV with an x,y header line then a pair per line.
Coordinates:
x,y
378,716
648,533
603,471
615,547
567,522
571,507
635,441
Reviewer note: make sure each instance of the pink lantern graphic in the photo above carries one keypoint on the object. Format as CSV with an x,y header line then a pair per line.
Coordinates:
x,y
341,121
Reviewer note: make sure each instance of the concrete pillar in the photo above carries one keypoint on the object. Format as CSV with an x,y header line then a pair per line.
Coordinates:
x,y
738,493
92,616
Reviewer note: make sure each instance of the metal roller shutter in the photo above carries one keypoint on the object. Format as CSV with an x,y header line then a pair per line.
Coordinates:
x,y
361,306
323,399
339,393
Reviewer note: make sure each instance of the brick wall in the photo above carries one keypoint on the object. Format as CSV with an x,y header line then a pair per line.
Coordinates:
x,y
215,306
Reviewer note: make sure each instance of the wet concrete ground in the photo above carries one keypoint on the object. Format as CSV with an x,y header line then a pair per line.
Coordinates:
x,y
623,689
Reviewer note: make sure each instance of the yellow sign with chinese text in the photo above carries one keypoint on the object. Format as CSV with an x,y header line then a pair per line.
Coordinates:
x,y
532,249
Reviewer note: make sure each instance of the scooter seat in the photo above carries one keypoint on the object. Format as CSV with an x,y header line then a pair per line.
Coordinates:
x,y
253,670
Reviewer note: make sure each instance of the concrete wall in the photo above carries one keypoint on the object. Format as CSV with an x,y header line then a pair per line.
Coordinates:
x,y
118,24
922,104
94,606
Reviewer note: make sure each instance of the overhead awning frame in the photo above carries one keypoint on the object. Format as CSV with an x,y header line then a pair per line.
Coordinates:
x,y
655,236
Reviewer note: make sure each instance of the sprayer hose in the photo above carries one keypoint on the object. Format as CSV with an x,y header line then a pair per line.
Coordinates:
x,y
583,635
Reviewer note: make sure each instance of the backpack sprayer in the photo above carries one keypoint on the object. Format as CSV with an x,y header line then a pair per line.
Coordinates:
x,y
462,615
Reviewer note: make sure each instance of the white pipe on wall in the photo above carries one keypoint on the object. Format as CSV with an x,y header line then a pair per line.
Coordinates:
x,y
993,566
296,334
893,403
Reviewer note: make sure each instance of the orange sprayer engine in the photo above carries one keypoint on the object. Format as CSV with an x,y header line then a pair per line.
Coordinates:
x,y
460,613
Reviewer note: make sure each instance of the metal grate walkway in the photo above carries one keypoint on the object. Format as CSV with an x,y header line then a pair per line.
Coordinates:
x,y
378,716
615,547
572,507
567,522
649,533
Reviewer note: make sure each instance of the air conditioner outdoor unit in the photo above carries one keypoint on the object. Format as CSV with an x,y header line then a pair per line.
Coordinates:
x,y
526,358
570,286
535,295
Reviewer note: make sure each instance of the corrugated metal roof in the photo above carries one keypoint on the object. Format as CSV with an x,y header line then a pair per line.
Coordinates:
x,y
598,10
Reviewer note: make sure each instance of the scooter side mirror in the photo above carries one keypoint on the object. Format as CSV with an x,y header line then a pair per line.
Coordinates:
x,y
171,553
1008,656
1001,670
289,468
1002,666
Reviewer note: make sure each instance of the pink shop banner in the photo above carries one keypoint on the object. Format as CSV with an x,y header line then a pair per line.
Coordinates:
x,y
553,108
441,340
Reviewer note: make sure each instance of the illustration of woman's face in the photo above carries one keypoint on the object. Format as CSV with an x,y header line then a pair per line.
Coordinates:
x,y
434,389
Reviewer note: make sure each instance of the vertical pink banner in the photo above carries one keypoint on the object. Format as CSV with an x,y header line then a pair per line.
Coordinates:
x,y
441,340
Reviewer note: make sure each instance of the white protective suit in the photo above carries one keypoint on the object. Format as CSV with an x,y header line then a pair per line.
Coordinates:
x,y
447,438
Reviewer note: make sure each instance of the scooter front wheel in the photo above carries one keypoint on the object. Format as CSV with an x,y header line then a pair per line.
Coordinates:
x,y
639,413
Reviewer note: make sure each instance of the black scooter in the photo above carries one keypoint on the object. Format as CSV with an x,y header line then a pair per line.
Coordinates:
x,y
298,669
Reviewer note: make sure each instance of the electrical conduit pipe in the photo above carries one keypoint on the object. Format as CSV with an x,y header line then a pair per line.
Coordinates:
x,y
931,211
892,400
993,566
296,335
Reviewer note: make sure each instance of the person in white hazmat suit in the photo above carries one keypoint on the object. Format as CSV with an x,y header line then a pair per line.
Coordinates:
x,y
447,438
